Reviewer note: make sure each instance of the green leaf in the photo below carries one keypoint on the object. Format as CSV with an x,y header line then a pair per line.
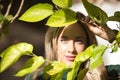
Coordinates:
x,y
6,22
1,17
58,70
116,17
80,58
114,46
63,3
115,49
9,17
118,37
117,14
31,65
115,43
13,53
96,58
62,18
37,12
95,12
57,67
47,68
82,74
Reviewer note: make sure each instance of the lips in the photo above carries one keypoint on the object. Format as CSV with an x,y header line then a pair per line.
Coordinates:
x,y
70,58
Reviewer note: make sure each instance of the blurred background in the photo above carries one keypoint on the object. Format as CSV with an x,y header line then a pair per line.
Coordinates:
x,y
33,33
20,31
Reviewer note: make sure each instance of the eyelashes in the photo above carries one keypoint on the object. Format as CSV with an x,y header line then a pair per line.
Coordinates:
x,y
76,41
64,40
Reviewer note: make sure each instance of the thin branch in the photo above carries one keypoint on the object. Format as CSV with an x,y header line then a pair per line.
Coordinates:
x,y
7,12
9,8
18,12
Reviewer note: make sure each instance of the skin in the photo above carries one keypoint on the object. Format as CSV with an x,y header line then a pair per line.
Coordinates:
x,y
102,31
71,42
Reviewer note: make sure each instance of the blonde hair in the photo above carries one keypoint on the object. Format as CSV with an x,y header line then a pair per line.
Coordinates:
x,y
51,42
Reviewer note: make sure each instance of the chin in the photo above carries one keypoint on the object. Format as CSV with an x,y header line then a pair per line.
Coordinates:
x,y
69,63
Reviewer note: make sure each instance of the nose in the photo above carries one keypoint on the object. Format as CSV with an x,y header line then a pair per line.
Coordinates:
x,y
71,47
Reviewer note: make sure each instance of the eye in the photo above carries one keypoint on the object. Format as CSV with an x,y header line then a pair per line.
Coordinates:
x,y
64,39
79,41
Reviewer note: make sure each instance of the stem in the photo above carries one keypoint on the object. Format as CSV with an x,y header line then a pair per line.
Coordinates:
x,y
7,13
18,12
9,8
34,55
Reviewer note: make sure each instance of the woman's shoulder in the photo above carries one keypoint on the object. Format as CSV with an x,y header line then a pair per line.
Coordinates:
x,y
29,76
40,75
35,76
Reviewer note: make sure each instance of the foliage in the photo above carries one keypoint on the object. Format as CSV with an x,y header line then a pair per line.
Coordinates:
x,y
37,12
63,4
4,22
31,65
59,17
13,53
115,43
92,53
6,18
1,17
116,17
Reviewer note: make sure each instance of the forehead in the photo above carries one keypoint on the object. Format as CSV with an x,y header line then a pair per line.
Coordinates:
x,y
74,30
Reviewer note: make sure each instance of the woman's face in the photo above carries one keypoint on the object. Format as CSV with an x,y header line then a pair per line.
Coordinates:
x,y
71,42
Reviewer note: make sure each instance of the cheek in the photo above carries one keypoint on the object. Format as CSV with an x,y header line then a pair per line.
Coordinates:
x,y
62,47
80,48
61,51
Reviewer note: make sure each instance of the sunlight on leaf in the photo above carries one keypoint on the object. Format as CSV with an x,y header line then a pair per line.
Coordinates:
x,y
31,65
80,58
57,67
63,3
62,18
37,12
58,70
13,53
96,58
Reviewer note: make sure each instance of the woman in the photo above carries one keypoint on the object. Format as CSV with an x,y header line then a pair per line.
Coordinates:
x,y
64,43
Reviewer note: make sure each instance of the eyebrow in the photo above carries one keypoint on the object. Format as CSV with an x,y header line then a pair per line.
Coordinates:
x,y
79,37
64,37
